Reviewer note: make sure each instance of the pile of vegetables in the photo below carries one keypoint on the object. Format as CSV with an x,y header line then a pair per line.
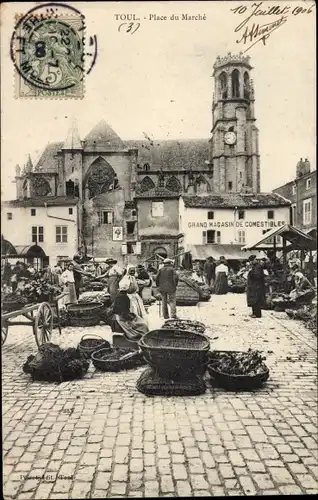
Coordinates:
x,y
307,314
13,301
238,363
184,324
237,283
101,297
39,290
53,364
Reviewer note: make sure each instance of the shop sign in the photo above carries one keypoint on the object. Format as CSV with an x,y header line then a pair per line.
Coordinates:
x,y
117,233
241,223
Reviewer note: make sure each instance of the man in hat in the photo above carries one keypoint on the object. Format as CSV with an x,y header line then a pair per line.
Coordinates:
x,y
167,281
255,290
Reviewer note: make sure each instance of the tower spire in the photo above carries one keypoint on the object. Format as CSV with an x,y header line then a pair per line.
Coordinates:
x,y
73,140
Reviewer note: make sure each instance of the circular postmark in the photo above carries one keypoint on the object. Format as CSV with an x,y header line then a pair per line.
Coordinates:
x,y
48,47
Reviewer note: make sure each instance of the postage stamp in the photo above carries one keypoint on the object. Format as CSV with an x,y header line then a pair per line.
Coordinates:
x,y
48,52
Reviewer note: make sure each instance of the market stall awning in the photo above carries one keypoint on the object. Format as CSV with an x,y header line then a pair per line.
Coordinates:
x,y
230,252
295,240
7,248
28,251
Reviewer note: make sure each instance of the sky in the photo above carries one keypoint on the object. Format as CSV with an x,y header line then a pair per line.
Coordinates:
x,y
159,81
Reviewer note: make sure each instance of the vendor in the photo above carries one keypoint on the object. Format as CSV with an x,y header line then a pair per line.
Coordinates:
x,y
143,278
123,320
136,304
78,273
68,279
303,288
114,274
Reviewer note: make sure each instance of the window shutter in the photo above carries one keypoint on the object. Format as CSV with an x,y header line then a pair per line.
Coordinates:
x,y
138,248
204,237
124,249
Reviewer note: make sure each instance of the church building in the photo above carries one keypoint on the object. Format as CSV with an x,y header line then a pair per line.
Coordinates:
x,y
136,199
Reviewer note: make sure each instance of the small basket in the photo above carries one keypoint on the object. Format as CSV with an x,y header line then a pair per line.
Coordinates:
x,y
151,384
85,314
102,359
90,343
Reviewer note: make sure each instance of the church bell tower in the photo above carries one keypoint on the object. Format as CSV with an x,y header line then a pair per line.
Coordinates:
x,y
234,149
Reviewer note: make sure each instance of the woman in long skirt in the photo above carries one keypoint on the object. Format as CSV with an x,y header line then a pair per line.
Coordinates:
x,y
221,277
67,278
123,320
136,304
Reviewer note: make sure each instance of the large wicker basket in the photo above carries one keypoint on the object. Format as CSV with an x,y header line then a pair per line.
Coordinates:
x,y
90,343
151,384
85,314
186,296
175,353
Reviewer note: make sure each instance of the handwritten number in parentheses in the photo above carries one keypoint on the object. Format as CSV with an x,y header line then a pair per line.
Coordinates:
x,y
130,29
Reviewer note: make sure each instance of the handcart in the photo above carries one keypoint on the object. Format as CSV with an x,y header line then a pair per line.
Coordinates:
x,y
39,316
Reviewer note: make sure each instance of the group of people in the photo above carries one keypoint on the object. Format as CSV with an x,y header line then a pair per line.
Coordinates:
x,y
15,277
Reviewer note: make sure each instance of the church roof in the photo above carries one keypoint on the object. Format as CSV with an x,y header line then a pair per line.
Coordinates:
x,y
232,200
29,164
47,161
73,140
172,154
158,192
103,137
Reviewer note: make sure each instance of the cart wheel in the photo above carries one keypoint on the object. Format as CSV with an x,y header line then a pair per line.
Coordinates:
x,y
4,333
43,324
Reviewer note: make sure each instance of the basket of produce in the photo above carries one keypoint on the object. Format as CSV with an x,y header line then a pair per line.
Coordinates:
x,y
101,297
186,295
95,286
184,324
237,371
204,293
120,358
90,343
39,290
175,353
53,364
85,314
151,384
13,302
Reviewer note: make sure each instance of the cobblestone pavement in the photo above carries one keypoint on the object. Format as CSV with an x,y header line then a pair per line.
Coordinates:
x,y
98,437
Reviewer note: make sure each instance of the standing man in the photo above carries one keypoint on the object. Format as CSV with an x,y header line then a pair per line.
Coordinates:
x,y
78,273
209,271
167,281
255,287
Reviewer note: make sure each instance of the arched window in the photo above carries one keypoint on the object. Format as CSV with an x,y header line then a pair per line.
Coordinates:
x,y
147,167
173,185
246,85
100,177
223,84
40,187
235,83
146,184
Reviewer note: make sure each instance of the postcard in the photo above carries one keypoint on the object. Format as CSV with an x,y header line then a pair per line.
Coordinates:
x,y
158,248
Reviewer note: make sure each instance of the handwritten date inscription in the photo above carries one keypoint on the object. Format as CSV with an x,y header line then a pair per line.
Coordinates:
x,y
254,32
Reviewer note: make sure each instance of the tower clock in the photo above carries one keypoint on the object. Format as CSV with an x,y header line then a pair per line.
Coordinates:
x,y
234,149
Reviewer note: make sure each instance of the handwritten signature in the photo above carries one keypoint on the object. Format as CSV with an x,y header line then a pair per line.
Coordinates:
x,y
256,32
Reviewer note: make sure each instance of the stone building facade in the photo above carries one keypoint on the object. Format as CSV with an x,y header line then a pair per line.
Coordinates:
x,y
302,192
121,187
